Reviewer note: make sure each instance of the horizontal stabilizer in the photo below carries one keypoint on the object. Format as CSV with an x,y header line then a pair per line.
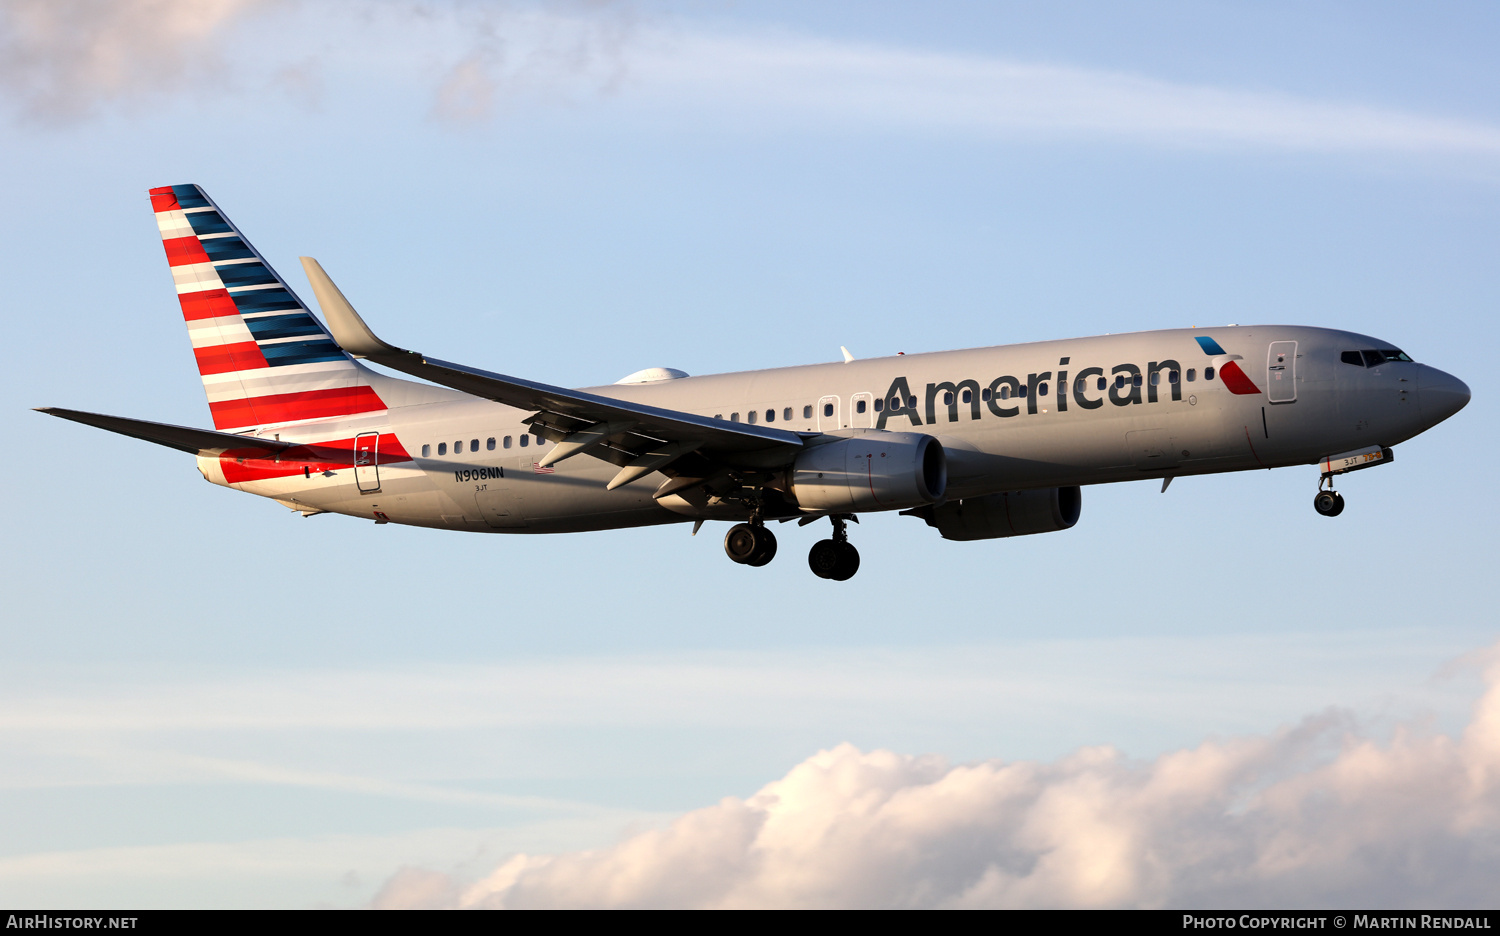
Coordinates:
x,y
181,438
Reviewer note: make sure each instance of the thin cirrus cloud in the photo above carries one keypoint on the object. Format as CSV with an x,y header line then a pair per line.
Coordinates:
x,y
65,61
1313,816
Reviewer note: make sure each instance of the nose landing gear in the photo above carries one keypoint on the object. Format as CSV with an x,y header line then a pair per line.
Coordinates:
x,y
834,558
1329,503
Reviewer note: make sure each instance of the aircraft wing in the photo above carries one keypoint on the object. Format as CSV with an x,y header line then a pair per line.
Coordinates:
x,y
182,438
631,435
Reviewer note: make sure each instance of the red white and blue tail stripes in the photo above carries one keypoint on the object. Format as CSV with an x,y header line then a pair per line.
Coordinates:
x,y
264,358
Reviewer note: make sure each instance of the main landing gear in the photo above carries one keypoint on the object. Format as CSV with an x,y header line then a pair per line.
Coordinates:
x,y
753,545
750,543
1329,503
834,558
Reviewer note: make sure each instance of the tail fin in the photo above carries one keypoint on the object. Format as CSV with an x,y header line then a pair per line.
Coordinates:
x,y
264,358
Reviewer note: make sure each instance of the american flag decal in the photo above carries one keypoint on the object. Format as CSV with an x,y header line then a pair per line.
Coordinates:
x,y
540,470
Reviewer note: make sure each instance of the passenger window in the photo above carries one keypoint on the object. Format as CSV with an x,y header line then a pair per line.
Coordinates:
x,y
912,402
968,395
718,415
442,448
1135,381
1080,385
985,394
426,450
1352,357
1041,389
734,417
807,411
859,406
1005,392
770,415
1155,378
947,397
458,447
1192,374
827,409
1103,383
489,444
1022,391
525,440
1174,377
786,414
879,405
1208,373
1119,381
895,404
751,416
474,445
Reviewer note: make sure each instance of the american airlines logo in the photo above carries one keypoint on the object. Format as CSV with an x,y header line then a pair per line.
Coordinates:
x,y
1126,385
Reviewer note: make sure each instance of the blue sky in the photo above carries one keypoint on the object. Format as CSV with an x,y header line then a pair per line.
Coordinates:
x,y
214,702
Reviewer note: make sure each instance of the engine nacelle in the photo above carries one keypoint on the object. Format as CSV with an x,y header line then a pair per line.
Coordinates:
x,y
1014,513
870,471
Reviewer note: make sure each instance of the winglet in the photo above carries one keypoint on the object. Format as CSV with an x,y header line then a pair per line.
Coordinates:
x,y
349,330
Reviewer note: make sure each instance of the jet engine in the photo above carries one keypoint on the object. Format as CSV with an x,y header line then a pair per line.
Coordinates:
x,y
1013,513
870,471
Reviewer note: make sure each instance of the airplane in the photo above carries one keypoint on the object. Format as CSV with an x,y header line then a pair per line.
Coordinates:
x,y
979,444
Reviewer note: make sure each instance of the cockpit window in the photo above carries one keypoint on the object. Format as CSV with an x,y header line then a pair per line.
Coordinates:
x,y
1374,358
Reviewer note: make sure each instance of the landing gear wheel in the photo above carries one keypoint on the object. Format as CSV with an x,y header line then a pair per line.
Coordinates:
x,y
833,559
750,545
848,563
1329,503
823,558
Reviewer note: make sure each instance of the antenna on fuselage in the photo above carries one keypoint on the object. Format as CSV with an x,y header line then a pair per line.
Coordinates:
x,y
848,358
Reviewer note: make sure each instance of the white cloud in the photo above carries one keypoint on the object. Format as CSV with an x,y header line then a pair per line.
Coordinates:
x,y
62,59
884,86
65,59
1316,815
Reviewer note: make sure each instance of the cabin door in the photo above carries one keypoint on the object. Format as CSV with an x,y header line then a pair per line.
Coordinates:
x,y
367,462
1281,372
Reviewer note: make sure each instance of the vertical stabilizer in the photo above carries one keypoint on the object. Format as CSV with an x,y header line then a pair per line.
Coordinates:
x,y
264,358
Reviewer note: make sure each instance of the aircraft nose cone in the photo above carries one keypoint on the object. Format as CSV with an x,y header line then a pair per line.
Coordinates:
x,y
1442,395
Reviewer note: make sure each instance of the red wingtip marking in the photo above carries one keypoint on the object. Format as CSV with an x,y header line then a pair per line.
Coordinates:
x,y
1235,379
166,202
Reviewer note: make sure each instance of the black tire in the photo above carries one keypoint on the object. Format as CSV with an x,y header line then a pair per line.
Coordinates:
x,y
823,558
765,549
741,543
1328,503
848,563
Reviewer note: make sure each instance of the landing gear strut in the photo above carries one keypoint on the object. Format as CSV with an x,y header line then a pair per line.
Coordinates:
x,y
750,543
834,558
1329,503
